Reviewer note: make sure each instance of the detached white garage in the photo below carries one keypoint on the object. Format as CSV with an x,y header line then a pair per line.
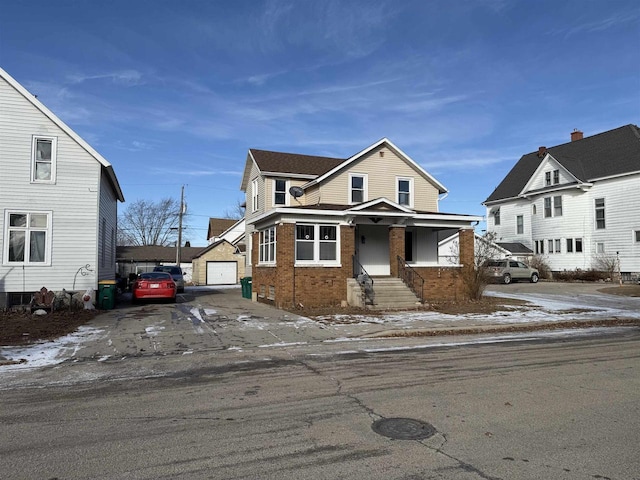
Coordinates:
x,y
222,273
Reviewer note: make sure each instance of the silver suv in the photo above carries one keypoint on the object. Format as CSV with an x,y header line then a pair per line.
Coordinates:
x,y
511,270
176,274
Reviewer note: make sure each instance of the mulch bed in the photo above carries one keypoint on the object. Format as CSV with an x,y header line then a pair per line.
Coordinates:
x,y
22,328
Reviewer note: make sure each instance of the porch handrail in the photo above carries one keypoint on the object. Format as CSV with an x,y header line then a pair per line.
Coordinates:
x,y
364,280
411,278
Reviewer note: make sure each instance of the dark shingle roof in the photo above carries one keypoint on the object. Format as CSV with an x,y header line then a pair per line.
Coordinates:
x,y
155,253
294,163
514,247
219,225
606,154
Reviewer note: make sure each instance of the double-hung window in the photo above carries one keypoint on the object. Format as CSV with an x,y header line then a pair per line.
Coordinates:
x,y
556,177
317,244
43,159
547,179
28,238
268,245
600,213
405,191
557,206
569,245
279,192
547,207
520,224
254,195
357,188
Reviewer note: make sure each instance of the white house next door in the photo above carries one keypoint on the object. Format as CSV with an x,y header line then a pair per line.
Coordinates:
x,y
372,245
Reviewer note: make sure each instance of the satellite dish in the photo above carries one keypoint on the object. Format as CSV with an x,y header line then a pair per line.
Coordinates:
x,y
296,192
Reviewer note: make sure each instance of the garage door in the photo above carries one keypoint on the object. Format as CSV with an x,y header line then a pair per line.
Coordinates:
x,y
222,273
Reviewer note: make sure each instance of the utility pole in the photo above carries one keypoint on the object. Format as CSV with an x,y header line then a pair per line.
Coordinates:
x,y
179,244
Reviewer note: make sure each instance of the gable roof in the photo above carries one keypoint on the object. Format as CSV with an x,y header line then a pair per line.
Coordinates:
x,y
219,225
215,245
384,141
155,253
608,154
111,175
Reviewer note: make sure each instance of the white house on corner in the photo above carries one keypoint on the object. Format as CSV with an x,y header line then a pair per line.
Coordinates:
x,y
58,202
575,202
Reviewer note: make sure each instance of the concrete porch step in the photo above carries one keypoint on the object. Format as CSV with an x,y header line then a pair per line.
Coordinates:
x,y
392,293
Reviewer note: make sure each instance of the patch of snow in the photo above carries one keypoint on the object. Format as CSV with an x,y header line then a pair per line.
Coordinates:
x,y
153,330
282,344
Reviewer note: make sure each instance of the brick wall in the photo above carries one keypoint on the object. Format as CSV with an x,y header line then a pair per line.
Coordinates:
x,y
309,286
396,248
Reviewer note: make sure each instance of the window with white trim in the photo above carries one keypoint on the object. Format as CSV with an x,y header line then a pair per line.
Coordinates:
x,y
550,245
558,245
519,224
600,247
547,179
28,236
569,245
43,159
357,188
254,195
279,191
600,223
556,177
317,244
557,206
547,207
578,245
636,236
404,188
268,245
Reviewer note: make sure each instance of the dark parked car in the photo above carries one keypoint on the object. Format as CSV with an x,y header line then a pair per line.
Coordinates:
x,y
175,272
509,271
154,285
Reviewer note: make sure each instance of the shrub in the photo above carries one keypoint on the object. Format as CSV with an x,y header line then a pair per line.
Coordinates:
x,y
539,262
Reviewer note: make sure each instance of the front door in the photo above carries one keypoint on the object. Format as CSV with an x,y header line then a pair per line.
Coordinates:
x,y
373,249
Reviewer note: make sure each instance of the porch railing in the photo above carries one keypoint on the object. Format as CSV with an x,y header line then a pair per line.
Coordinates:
x,y
411,278
365,281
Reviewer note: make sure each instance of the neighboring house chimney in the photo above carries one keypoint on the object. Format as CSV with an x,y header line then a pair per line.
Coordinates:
x,y
542,151
576,135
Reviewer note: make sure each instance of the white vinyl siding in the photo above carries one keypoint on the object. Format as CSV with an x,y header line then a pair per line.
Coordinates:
x,y
74,199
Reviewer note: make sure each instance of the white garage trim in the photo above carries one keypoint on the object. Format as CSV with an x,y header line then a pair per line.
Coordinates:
x,y
222,273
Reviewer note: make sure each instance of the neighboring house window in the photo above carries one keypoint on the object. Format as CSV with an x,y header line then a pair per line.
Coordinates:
x,y
279,192
569,245
496,216
600,247
357,188
534,209
558,249
556,177
600,213
405,190
578,245
547,207
541,246
254,195
547,179
519,224
316,243
268,245
29,237
43,159
557,206
636,236
550,244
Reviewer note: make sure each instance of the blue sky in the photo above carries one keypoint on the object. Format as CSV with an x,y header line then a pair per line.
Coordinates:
x,y
175,92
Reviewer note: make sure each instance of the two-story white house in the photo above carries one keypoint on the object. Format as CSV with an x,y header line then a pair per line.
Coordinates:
x,y
314,223
58,202
574,202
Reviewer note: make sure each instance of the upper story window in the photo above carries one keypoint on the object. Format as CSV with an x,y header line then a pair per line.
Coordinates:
x,y
557,206
556,177
636,236
495,211
600,224
43,159
519,225
547,179
317,244
29,238
279,192
254,195
405,191
268,245
547,207
357,188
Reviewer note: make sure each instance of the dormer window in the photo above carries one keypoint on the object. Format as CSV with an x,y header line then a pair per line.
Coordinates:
x,y
43,159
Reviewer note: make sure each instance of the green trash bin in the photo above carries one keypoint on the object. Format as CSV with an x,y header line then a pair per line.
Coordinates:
x,y
246,287
107,294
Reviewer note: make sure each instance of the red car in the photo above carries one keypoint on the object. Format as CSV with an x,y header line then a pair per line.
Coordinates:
x,y
154,285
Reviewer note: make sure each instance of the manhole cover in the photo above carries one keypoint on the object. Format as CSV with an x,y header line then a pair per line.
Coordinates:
x,y
403,428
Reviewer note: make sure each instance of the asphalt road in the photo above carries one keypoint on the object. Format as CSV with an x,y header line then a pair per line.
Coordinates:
x,y
557,409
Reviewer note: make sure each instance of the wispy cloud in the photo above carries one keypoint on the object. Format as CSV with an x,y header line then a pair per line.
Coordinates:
x,y
612,21
128,78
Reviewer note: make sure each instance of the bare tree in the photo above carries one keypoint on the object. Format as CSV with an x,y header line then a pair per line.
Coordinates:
x,y
149,223
236,212
604,262
476,277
